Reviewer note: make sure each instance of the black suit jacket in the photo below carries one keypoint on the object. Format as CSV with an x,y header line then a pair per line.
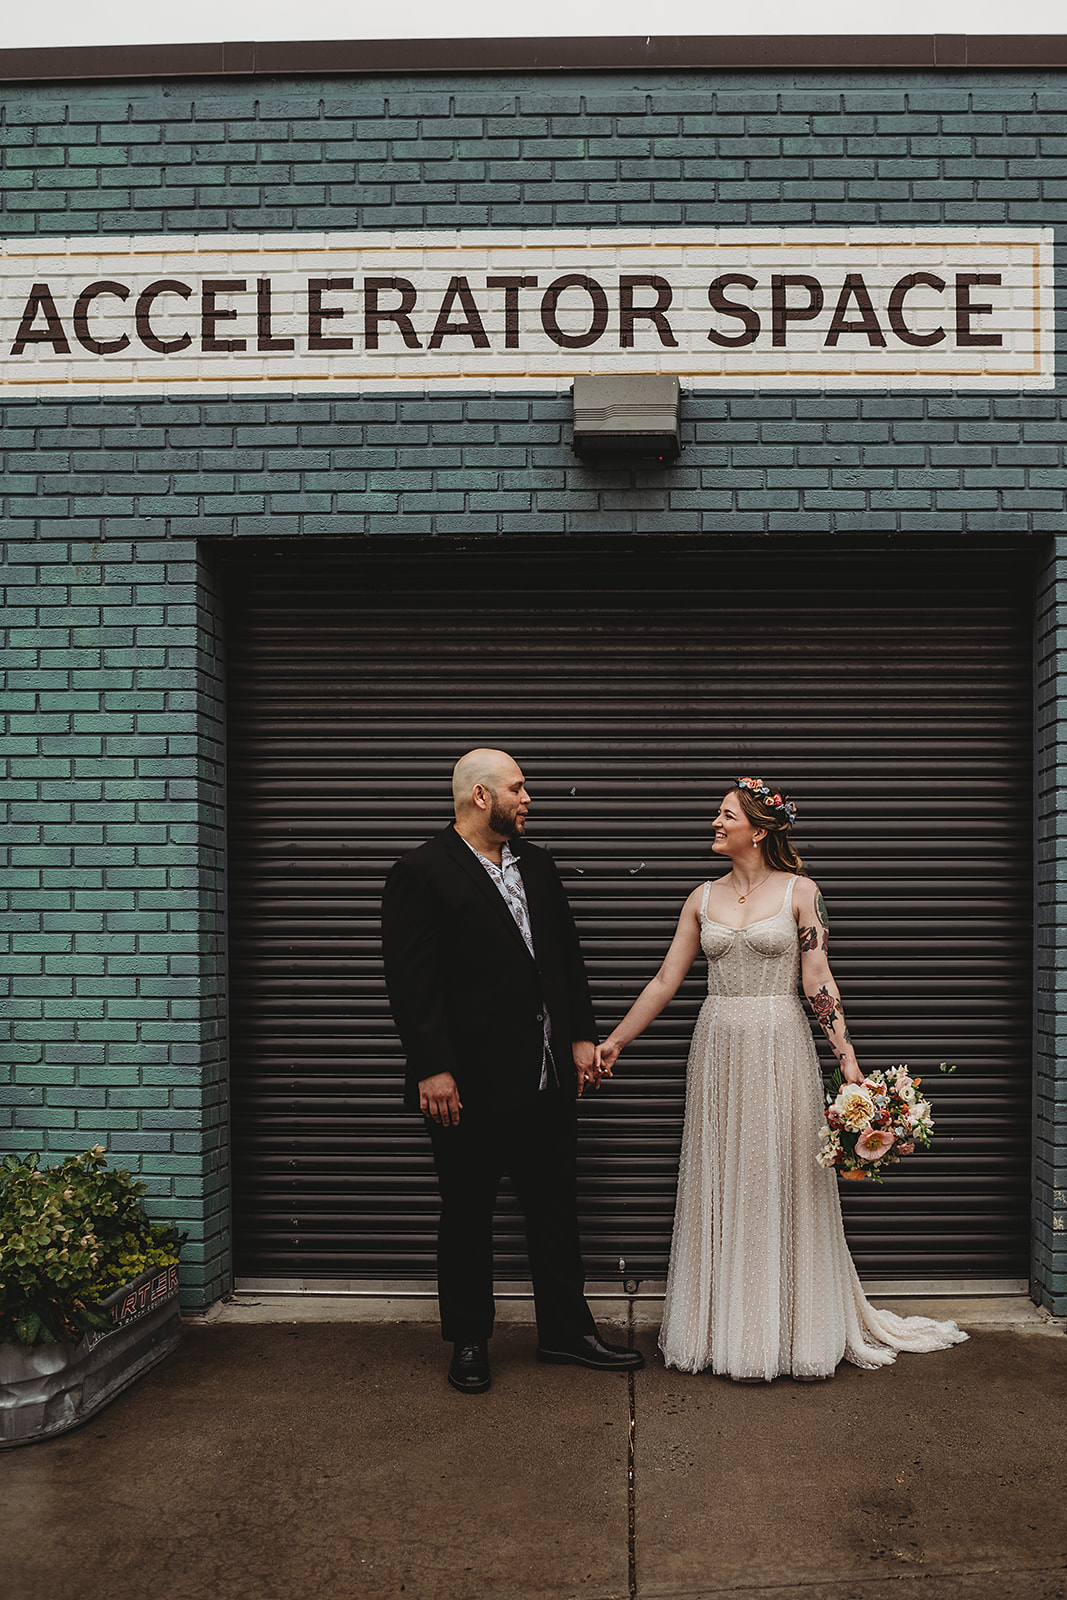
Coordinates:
x,y
467,996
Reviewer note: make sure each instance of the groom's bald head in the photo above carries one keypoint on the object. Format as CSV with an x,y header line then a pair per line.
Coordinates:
x,y
486,769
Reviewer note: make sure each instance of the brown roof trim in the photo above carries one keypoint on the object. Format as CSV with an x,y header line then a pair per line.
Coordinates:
x,y
355,57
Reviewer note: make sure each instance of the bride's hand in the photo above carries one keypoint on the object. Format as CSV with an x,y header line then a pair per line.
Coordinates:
x,y
606,1056
852,1073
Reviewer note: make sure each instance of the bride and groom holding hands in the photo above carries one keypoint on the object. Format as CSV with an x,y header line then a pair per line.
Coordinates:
x,y
490,998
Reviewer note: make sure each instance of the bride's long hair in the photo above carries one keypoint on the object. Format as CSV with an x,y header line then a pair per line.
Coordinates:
x,y
777,849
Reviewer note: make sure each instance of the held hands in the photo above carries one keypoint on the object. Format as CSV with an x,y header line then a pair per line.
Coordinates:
x,y
593,1062
606,1056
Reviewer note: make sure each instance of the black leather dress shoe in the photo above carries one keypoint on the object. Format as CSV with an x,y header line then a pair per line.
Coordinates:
x,y
468,1371
589,1350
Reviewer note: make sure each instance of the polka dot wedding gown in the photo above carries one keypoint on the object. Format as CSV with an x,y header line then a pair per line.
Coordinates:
x,y
761,1282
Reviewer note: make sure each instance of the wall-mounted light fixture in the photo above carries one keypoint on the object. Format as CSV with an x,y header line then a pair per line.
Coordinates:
x,y
619,420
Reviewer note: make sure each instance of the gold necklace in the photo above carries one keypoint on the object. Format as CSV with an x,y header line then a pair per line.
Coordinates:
x,y
741,898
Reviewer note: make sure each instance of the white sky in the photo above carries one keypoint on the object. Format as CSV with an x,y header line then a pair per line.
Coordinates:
x,y
71,22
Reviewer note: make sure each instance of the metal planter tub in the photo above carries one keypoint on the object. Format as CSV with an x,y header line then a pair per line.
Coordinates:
x,y
47,1388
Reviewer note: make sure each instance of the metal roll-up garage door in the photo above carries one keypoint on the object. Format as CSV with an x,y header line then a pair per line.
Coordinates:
x,y
887,690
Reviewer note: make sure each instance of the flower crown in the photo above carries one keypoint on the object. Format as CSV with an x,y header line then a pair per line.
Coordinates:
x,y
770,797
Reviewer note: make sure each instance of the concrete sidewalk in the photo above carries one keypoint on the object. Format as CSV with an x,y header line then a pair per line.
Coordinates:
x,y
294,1458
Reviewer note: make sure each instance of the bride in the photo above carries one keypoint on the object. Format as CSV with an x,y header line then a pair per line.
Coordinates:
x,y
761,1282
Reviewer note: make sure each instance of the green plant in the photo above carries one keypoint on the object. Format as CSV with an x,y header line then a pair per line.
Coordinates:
x,y
69,1234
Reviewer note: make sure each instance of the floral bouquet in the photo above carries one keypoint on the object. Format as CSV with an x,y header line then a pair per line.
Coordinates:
x,y
871,1125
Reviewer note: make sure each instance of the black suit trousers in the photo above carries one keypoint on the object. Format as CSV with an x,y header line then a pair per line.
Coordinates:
x,y
535,1144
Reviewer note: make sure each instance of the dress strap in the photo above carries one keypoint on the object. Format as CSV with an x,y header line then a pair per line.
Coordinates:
x,y
704,901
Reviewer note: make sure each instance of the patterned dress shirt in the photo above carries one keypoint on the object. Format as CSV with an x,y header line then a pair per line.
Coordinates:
x,y
508,880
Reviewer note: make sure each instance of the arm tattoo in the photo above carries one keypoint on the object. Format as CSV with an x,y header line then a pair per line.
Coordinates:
x,y
809,939
828,1012
825,1008
820,906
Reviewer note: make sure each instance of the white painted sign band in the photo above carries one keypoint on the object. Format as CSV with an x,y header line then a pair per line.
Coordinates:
x,y
343,313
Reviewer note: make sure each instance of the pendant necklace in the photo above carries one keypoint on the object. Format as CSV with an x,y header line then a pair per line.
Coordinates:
x,y
741,898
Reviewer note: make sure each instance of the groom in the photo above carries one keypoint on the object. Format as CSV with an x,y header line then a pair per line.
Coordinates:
x,y
490,998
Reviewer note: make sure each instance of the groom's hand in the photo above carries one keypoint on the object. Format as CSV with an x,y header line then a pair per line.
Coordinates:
x,y
439,1099
584,1053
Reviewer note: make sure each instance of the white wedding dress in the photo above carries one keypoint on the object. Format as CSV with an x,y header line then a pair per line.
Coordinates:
x,y
761,1282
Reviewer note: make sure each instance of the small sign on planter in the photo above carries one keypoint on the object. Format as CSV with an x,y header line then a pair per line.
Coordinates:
x,y
46,1389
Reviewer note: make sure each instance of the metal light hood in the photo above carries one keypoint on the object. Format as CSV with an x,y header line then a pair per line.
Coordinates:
x,y
627,419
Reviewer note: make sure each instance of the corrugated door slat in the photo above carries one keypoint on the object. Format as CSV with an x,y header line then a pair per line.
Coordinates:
x,y
889,692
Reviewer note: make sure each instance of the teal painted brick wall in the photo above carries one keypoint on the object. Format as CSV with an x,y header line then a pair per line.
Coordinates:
x,y
114,989
808,463
114,1007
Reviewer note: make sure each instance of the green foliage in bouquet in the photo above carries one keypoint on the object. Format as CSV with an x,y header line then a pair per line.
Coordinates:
x,y
69,1235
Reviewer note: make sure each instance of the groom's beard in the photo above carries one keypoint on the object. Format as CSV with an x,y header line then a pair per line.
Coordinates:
x,y
504,823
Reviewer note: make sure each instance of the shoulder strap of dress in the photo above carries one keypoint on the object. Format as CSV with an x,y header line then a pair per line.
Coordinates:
x,y
788,901
704,902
